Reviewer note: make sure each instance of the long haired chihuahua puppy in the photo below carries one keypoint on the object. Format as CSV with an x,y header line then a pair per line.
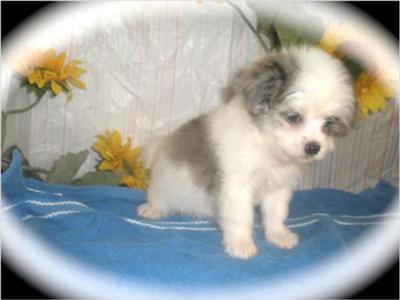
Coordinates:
x,y
279,114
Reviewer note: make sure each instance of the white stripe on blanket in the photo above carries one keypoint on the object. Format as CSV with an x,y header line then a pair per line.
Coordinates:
x,y
50,215
159,227
43,192
44,203
363,223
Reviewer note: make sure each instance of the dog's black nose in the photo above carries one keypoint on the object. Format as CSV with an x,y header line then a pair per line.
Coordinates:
x,y
312,148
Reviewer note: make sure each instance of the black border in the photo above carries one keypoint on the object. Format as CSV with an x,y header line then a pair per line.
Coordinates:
x,y
13,13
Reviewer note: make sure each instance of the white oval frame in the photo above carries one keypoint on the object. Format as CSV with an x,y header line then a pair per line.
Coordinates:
x,y
372,254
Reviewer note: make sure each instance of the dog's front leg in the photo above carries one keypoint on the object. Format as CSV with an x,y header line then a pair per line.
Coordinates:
x,y
274,208
236,220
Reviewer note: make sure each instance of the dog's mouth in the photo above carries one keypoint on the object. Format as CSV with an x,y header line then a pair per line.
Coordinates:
x,y
307,159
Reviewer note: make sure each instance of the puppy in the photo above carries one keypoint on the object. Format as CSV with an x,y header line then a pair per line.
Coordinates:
x,y
281,113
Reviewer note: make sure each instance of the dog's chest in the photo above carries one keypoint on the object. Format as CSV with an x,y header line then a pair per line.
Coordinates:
x,y
252,162
267,175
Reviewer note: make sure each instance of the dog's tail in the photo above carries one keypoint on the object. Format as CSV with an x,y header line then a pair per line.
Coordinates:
x,y
149,151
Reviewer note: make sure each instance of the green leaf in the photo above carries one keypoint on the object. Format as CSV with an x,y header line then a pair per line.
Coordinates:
x,y
290,36
31,172
39,92
65,168
354,66
98,178
300,32
33,88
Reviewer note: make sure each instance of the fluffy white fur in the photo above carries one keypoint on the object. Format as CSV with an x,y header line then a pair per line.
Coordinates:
x,y
259,155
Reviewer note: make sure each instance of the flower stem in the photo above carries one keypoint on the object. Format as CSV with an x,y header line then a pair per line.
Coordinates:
x,y
4,116
248,23
276,42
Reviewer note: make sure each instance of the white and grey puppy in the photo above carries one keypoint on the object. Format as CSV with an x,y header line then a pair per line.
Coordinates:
x,y
282,112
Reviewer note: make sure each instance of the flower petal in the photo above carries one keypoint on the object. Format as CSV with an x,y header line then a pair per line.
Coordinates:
x,y
114,141
105,166
77,83
55,87
49,75
127,180
58,63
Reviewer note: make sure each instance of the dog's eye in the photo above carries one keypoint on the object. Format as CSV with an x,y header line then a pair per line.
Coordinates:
x,y
294,118
333,126
330,121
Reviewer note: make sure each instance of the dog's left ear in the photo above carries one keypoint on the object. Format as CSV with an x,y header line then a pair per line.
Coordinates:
x,y
261,86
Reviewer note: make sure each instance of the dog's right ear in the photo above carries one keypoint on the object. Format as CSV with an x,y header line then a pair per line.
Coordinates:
x,y
263,88
260,86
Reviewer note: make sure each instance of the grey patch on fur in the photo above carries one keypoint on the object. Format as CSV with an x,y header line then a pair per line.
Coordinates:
x,y
263,85
264,89
355,118
191,145
335,127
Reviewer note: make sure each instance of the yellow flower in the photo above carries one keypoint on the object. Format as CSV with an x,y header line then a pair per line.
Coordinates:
x,y
372,91
36,78
334,37
121,158
47,70
133,182
109,147
71,72
339,39
135,167
50,61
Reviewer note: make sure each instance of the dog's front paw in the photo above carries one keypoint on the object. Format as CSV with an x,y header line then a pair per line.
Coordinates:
x,y
283,238
148,211
241,249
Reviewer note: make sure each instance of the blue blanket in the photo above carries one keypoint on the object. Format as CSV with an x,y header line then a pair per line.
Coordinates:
x,y
99,227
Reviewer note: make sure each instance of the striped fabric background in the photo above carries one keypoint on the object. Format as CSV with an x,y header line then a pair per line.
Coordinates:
x,y
152,66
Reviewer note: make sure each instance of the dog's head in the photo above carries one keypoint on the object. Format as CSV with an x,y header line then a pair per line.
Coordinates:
x,y
301,98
